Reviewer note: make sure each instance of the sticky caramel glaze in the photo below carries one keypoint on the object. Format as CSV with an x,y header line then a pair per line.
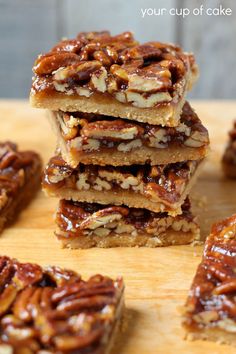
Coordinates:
x,y
11,162
163,181
71,215
88,124
15,168
118,56
53,309
213,291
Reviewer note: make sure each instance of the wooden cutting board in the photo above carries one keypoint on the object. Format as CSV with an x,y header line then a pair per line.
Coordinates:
x,y
157,280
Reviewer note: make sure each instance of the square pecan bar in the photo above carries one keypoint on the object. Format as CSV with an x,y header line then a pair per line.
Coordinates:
x,y
114,76
84,225
161,188
229,157
20,178
53,310
210,310
101,140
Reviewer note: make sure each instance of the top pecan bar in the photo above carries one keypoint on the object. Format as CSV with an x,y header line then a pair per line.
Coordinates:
x,y
210,311
115,75
53,310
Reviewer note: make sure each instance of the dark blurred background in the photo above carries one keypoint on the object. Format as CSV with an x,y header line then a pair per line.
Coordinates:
x,y
29,27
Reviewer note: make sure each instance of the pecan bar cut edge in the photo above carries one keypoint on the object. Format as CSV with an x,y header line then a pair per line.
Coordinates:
x,y
161,188
84,225
189,141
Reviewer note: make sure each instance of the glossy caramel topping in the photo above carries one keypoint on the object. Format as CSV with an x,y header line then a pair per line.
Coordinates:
x,y
166,182
15,166
99,62
110,131
212,298
54,310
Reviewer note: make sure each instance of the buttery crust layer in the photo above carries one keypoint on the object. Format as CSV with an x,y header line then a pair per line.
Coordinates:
x,y
83,225
210,310
169,238
115,76
102,140
138,156
54,310
157,188
20,178
166,114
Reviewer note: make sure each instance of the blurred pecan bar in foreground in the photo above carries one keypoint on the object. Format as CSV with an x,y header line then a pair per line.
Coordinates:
x,y
157,188
229,158
115,75
101,140
20,178
53,310
84,225
210,311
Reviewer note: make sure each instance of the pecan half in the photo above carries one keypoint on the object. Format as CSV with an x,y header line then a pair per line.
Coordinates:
x,y
48,64
117,129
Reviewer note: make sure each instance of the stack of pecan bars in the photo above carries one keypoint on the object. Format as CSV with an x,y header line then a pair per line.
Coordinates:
x,y
129,146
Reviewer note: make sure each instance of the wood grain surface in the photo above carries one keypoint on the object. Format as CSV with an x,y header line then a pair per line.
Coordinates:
x,y
157,280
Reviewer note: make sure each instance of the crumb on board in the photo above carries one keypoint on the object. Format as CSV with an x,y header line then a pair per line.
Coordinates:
x,y
200,200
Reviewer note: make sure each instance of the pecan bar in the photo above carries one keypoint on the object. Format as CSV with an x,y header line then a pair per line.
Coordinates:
x,y
84,225
53,310
210,311
101,140
229,157
157,188
20,178
114,76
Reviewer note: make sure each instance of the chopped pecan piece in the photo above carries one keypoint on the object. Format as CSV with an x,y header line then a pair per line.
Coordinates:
x,y
55,310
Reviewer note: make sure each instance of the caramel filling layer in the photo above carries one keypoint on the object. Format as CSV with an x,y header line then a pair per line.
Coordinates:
x,y
83,219
163,182
93,132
